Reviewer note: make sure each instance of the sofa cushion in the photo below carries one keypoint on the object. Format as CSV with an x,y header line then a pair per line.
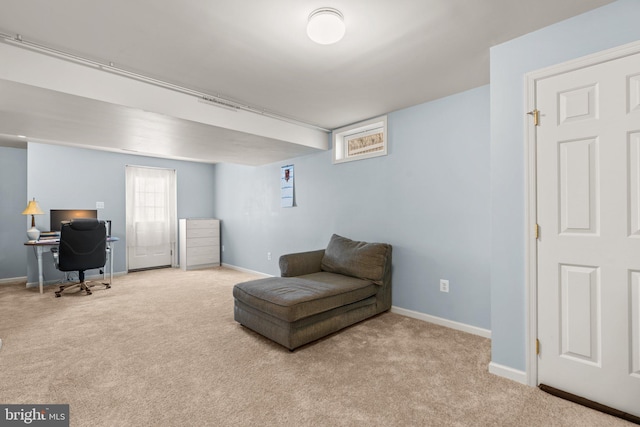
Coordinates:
x,y
294,298
357,259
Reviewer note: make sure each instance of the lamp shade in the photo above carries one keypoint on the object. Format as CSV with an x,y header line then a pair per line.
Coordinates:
x,y
32,208
326,26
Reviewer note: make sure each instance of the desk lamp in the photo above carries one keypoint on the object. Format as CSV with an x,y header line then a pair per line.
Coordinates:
x,y
33,209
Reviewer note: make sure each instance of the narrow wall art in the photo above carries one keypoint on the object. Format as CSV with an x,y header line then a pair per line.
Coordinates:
x,y
286,186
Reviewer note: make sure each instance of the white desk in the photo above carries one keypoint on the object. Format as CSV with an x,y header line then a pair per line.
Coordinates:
x,y
48,244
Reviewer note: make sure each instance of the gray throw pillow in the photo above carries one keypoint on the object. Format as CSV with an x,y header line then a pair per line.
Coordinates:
x,y
356,259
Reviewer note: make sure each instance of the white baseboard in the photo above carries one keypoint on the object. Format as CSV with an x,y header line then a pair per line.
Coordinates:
x,y
246,270
13,280
509,373
486,333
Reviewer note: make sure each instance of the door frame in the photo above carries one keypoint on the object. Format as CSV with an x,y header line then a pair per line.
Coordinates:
x,y
531,197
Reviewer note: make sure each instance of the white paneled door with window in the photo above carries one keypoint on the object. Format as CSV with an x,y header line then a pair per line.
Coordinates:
x,y
151,217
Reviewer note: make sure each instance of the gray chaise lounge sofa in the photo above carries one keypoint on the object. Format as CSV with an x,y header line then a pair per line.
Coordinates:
x,y
320,292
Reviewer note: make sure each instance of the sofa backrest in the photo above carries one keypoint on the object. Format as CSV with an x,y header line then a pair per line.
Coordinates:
x,y
357,259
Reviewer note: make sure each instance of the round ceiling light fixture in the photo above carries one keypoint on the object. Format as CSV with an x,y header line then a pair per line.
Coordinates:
x,y
326,26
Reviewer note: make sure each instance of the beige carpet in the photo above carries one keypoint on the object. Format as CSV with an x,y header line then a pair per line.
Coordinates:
x,y
161,348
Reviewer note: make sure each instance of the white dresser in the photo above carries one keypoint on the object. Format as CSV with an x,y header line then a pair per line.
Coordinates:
x,y
199,243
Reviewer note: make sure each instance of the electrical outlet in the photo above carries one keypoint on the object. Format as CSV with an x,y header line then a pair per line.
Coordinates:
x,y
268,256
444,285
99,205
222,248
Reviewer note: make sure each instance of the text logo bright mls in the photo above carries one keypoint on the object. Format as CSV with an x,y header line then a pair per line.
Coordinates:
x,y
34,415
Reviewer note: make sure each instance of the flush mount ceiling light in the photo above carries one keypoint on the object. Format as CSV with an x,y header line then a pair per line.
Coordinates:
x,y
326,26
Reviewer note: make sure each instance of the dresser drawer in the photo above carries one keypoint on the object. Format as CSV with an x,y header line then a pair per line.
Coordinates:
x,y
203,232
194,224
203,255
202,241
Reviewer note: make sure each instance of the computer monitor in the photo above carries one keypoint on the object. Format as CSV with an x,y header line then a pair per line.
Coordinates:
x,y
58,216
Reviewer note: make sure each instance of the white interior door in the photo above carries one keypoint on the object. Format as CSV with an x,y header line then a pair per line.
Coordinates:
x,y
151,217
588,209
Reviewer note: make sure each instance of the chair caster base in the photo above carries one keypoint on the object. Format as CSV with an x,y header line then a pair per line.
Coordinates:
x,y
84,286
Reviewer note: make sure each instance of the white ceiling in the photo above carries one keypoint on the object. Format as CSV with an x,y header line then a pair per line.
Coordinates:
x,y
395,54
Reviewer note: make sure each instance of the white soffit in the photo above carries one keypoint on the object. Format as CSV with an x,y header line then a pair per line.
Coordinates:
x,y
256,131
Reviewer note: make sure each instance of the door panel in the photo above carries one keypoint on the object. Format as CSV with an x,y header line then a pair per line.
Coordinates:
x,y
634,93
634,184
579,314
634,298
578,104
578,190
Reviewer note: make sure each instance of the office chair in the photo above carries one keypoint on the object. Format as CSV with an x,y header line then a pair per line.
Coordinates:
x,y
83,246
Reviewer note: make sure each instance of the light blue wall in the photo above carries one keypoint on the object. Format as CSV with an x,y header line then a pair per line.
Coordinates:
x,y
600,29
62,177
13,200
429,198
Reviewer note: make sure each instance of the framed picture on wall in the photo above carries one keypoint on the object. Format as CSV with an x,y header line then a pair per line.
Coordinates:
x,y
286,186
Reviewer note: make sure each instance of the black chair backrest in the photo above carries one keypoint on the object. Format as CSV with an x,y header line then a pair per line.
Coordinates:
x,y
83,245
